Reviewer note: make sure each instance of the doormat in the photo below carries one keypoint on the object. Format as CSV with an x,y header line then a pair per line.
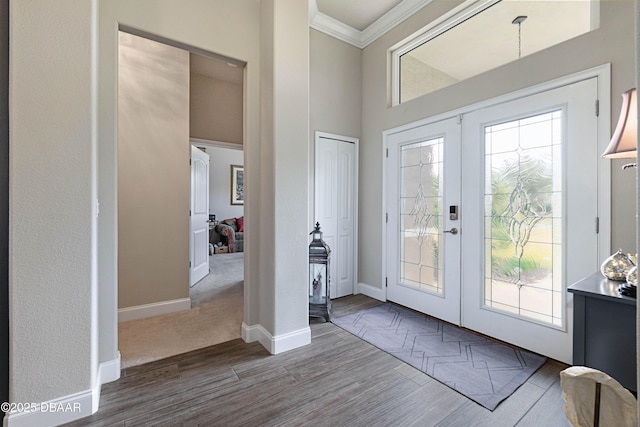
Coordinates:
x,y
481,369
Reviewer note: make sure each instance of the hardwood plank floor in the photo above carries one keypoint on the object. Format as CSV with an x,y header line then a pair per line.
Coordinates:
x,y
337,380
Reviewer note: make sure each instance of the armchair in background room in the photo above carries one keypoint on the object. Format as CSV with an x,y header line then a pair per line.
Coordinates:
x,y
232,233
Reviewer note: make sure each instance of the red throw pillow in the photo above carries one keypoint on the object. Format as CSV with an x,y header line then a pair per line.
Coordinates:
x,y
240,222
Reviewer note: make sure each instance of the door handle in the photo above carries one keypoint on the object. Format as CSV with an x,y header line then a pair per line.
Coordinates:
x,y
453,231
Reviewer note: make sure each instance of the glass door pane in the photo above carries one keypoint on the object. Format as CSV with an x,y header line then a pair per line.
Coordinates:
x,y
523,212
421,215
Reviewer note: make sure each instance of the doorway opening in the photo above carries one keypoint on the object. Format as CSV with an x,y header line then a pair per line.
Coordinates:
x,y
172,297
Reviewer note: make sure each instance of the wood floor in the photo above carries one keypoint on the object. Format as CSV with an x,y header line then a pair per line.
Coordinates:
x,y
337,380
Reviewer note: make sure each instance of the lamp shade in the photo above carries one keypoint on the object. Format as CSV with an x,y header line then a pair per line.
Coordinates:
x,y
624,140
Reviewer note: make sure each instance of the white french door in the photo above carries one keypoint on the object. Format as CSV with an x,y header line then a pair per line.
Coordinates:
x,y
522,178
423,183
531,201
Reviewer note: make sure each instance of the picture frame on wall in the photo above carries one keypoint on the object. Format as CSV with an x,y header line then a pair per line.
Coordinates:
x,y
237,185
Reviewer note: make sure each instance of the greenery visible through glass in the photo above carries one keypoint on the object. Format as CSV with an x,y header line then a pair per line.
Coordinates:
x,y
523,211
420,214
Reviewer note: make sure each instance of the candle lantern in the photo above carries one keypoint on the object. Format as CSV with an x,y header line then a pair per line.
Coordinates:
x,y
319,282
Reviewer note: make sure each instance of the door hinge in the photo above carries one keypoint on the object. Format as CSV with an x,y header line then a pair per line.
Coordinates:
x,y
189,264
459,119
386,218
386,282
387,153
597,108
597,225
189,212
189,162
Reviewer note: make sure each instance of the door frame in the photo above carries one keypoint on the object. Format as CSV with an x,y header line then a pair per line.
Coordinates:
x,y
312,211
603,75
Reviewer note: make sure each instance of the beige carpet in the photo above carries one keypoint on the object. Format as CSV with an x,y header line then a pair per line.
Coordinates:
x,y
215,317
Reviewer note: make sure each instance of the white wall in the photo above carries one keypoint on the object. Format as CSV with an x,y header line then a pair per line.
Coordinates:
x,y
613,42
220,161
52,286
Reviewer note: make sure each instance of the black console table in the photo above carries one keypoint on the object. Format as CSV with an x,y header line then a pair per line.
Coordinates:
x,y
604,329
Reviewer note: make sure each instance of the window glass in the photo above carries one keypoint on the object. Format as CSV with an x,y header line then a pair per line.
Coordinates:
x,y
485,40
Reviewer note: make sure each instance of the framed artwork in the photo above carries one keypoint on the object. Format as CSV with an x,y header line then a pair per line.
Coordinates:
x,y
237,185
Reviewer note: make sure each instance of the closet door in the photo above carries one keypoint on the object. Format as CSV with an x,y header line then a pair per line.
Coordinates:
x,y
336,206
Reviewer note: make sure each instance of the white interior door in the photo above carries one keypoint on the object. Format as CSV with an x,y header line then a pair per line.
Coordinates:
x,y
423,240
530,180
199,223
336,205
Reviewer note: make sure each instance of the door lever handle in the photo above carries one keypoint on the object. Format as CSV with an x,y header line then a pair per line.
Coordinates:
x,y
453,231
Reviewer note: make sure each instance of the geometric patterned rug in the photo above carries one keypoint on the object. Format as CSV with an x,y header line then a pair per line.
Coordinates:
x,y
484,370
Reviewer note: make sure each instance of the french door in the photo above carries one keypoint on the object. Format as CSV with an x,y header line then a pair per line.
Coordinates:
x,y
518,182
423,242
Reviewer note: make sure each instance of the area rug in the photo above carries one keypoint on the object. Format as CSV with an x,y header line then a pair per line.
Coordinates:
x,y
485,371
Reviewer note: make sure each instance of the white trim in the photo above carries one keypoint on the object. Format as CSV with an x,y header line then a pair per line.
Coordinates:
x,y
390,19
277,344
602,72
153,309
371,291
214,143
56,411
68,408
336,29
361,39
109,371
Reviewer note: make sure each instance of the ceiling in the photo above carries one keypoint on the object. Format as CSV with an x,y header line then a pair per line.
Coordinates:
x,y
217,68
357,22
358,14
360,22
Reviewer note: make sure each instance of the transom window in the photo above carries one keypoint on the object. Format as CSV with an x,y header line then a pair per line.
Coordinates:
x,y
481,35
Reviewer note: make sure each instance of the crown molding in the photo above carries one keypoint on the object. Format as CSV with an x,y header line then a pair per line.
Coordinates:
x,y
361,39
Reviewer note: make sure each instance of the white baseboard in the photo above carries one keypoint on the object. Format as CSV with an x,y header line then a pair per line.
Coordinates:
x,y
68,408
277,344
373,292
155,309
109,371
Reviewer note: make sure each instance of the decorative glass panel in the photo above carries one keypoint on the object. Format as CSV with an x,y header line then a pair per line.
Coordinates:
x,y
523,211
421,215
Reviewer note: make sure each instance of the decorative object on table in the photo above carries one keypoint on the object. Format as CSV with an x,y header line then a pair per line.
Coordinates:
x,y
237,185
319,281
630,288
616,266
624,142
632,276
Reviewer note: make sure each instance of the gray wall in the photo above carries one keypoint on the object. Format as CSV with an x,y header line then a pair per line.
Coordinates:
x,y
55,300
153,172
335,101
4,201
613,42
53,205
